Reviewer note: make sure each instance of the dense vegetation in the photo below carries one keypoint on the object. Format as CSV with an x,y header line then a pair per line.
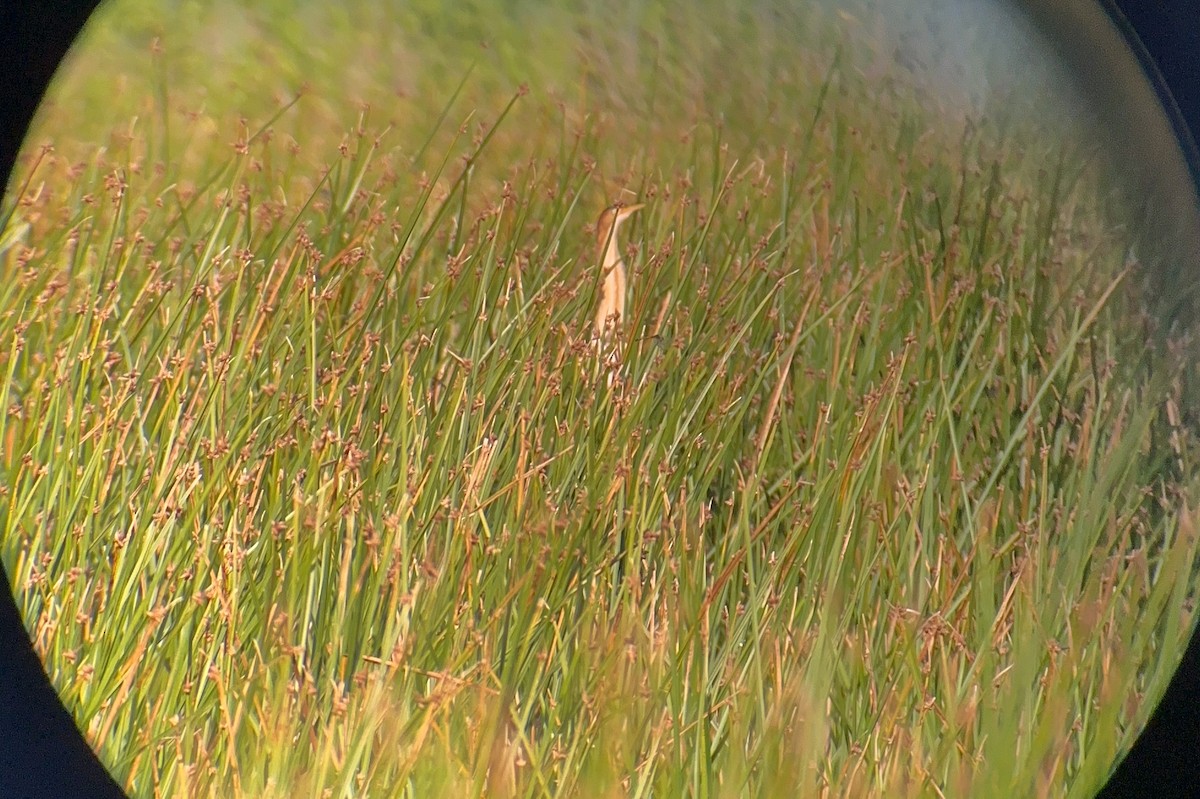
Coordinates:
x,y
312,484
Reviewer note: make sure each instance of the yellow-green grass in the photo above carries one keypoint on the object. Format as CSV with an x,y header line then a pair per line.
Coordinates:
x,y
312,485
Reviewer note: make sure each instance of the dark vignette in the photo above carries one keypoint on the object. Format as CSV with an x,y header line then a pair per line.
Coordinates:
x,y
42,753
1165,760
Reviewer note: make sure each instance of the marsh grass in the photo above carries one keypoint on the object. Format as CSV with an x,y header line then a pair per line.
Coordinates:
x,y
312,486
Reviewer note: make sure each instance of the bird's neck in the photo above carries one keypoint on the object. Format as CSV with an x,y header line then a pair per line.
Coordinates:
x,y
612,253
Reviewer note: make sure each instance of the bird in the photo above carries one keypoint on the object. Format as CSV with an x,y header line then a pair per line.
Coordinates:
x,y
610,311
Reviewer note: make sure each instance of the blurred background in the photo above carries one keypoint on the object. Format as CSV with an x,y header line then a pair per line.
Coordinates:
x,y
313,485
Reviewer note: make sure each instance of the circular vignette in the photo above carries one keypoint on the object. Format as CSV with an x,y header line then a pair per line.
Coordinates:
x,y
45,754
1162,36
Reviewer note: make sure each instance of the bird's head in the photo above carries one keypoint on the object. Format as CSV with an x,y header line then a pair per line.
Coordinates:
x,y
610,219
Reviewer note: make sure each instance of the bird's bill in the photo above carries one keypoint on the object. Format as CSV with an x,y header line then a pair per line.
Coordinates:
x,y
626,210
